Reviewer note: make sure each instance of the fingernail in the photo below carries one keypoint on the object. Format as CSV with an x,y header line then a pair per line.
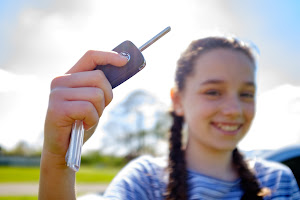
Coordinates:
x,y
126,55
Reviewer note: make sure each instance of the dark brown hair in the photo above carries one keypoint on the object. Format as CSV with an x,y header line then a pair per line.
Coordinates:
x,y
177,186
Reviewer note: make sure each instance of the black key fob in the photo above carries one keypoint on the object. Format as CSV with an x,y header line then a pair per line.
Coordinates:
x,y
118,75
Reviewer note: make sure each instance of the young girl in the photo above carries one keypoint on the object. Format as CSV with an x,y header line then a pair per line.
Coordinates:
x,y
214,95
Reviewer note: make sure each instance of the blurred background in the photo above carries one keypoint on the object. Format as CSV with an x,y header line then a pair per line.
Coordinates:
x,y
42,39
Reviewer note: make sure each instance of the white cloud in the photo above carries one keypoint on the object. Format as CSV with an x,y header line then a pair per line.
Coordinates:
x,y
23,107
277,119
11,82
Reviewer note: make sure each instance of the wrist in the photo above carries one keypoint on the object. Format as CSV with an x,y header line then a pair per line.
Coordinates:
x,y
52,160
57,181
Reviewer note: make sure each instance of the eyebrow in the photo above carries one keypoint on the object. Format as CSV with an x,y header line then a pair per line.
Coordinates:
x,y
219,81
212,81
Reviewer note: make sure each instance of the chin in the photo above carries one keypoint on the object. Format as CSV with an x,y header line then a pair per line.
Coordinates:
x,y
226,147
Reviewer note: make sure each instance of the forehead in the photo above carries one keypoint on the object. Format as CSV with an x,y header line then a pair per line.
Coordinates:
x,y
224,64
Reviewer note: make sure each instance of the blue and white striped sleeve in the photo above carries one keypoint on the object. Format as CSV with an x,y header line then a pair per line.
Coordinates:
x,y
291,189
280,180
135,181
295,193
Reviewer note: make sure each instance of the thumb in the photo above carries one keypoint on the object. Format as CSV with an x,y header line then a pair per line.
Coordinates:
x,y
91,59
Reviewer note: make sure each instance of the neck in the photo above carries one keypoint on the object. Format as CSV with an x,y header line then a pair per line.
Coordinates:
x,y
210,161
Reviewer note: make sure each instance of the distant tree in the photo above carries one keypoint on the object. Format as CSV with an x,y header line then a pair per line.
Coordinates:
x,y
96,158
21,149
136,126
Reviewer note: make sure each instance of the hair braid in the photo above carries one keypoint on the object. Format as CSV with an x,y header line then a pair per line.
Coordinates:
x,y
177,186
249,183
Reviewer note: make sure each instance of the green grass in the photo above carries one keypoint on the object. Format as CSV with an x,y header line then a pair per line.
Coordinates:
x,y
19,174
18,197
31,174
96,175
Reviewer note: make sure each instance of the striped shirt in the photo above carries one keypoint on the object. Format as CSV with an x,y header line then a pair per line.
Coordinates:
x,y
146,178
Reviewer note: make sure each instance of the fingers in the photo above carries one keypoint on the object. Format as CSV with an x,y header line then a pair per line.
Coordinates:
x,y
64,113
87,112
76,95
93,58
84,86
94,79
93,95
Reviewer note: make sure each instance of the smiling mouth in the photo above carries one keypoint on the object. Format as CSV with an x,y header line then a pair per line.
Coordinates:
x,y
230,128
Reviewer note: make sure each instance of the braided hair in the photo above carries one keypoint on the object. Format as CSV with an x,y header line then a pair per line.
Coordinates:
x,y
177,186
248,182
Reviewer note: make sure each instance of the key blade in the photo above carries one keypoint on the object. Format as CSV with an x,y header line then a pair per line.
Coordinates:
x,y
155,38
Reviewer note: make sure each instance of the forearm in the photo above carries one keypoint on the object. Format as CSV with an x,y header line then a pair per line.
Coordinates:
x,y
57,181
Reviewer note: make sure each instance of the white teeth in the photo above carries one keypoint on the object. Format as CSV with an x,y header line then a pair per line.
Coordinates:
x,y
228,127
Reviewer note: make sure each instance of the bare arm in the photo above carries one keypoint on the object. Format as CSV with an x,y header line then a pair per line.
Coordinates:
x,y
81,94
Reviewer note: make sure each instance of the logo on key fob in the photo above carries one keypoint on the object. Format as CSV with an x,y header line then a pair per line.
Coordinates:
x,y
125,54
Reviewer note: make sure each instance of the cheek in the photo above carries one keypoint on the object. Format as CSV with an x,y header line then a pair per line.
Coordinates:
x,y
250,112
200,111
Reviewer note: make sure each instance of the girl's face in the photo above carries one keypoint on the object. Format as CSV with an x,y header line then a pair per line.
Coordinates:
x,y
218,101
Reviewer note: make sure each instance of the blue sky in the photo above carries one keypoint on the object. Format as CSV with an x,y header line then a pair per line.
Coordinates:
x,y
279,23
279,18
282,17
43,39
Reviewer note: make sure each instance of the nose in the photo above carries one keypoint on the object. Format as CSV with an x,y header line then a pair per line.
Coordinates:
x,y
232,107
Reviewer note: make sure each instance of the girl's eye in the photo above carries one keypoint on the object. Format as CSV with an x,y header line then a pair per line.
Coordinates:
x,y
247,95
213,93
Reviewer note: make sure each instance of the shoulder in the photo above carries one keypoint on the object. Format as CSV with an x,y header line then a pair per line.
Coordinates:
x,y
140,178
270,166
149,161
267,169
144,165
277,177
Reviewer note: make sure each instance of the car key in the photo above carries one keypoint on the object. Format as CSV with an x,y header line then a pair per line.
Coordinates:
x,y
116,76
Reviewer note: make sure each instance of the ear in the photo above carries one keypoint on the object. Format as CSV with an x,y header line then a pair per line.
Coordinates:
x,y
176,100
